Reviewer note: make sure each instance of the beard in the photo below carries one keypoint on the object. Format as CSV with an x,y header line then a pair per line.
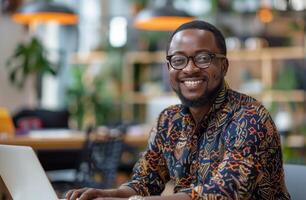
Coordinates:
x,y
207,97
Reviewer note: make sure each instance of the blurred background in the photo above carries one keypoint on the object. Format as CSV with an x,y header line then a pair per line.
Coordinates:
x,y
72,67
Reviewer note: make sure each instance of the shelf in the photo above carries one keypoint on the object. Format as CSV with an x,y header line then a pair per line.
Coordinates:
x,y
160,56
88,58
280,95
266,96
233,55
267,53
264,60
296,141
145,57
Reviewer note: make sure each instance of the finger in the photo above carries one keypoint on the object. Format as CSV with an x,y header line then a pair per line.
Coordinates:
x,y
74,194
90,194
68,194
107,198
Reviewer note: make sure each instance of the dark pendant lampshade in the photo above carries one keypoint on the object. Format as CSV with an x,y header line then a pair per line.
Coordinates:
x,y
166,18
42,12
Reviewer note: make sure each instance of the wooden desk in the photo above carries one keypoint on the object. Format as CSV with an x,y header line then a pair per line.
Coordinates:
x,y
75,141
63,152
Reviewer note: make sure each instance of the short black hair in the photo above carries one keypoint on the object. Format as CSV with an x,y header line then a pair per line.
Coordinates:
x,y
202,25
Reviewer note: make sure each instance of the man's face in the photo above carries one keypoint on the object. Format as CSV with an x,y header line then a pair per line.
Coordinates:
x,y
194,86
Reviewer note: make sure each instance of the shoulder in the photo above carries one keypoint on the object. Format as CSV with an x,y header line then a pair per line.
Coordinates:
x,y
247,107
251,123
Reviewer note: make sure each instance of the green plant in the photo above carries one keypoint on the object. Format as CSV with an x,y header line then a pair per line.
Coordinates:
x,y
302,129
29,58
293,156
93,98
286,81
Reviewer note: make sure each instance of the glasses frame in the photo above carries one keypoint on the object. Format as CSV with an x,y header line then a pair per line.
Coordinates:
x,y
210,54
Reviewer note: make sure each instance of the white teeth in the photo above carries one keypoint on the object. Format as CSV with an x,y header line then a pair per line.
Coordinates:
x,y
192,83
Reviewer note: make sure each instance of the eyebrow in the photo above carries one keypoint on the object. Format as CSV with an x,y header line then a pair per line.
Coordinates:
x,y
196,52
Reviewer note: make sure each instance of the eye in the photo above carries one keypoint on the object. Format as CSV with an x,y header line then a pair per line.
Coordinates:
x,y
178,60
202,58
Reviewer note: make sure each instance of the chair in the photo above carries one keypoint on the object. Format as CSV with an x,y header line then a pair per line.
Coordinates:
x,y
101,159
30,119
295,177
98,164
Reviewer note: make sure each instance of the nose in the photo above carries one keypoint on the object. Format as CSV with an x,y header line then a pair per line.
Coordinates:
x,y
190,66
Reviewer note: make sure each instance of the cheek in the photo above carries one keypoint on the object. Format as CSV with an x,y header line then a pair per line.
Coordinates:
x,y
215,77
217,71
217,74
172,75
173,78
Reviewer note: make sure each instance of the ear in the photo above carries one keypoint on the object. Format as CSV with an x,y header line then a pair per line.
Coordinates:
x,y
224,66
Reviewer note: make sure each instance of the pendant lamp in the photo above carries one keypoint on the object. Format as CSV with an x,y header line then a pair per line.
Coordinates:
x,y
43,12
166,18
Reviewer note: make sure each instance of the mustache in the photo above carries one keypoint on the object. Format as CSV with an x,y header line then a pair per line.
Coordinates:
x,y
204,78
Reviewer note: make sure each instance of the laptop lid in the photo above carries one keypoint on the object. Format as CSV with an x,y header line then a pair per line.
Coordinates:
x,y
23,174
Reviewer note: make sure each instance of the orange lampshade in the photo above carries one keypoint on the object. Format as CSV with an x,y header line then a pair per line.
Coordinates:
x,y
265,15
162,23
165,18
43,12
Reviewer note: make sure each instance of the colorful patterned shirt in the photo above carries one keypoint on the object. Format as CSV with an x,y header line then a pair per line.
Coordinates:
x,y
233,153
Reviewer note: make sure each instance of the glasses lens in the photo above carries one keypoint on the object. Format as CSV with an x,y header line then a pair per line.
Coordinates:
x,y
178,61
202,59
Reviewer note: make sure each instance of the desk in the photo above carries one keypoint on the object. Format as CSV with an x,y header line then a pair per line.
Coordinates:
x,y
74,141
63,152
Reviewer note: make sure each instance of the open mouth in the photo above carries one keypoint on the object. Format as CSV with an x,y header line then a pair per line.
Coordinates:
x,y
192,83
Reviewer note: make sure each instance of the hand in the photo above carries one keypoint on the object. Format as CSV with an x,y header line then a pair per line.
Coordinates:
x,y
110,198
85,194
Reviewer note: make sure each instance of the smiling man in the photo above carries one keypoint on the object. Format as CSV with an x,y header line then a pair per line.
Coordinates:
x,y
217,144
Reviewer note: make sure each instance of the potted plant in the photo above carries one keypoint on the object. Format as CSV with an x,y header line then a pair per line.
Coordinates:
x,y
93,97
29,59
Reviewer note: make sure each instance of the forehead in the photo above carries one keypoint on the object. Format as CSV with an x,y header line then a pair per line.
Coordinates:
x,y
192,40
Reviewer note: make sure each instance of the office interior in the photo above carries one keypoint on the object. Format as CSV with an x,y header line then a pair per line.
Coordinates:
x,y
85,93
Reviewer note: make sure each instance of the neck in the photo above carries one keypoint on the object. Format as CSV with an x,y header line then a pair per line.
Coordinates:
x,y
198,113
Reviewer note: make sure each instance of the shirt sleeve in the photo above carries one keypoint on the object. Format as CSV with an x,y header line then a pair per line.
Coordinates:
x,y
150,173
247,142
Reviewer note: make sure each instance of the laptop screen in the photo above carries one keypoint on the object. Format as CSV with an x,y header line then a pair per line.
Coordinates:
x,y
23,175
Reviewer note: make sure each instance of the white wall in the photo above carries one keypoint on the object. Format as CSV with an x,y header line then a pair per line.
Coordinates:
x,y
10,97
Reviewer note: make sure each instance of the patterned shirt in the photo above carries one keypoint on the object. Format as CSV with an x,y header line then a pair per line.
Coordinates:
x,y
233,153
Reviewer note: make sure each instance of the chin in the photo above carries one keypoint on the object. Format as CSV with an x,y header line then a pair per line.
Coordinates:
x,y
193,102
198,101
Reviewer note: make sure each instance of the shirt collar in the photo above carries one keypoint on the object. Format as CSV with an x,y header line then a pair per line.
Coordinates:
x,y
220,97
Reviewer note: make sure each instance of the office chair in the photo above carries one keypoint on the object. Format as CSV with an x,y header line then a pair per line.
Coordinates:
x,y
97,165
100,161
101,156
295,177
30,119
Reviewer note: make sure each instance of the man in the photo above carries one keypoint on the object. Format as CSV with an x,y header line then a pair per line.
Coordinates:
x,y
218,144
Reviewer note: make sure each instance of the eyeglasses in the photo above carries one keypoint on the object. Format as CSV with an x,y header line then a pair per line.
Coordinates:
x,y
201,60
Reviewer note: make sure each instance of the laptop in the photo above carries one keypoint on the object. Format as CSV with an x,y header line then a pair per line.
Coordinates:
x,y
23,175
